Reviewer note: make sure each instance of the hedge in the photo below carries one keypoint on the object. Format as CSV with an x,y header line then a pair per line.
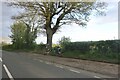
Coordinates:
x,y
104,51
108,46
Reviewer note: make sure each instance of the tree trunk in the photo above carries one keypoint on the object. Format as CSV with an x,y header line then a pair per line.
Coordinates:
x,y
49,41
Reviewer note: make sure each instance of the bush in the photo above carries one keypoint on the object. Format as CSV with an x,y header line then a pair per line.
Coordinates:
x,y
63,42
7,47
41,48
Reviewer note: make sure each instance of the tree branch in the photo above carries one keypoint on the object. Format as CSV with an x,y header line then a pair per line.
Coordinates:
x,y
60,18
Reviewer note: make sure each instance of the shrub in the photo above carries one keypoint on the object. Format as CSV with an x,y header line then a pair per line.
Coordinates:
x,y
7,47
63,42
41,48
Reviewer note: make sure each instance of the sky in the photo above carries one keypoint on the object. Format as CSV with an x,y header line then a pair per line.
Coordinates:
x,y
98,28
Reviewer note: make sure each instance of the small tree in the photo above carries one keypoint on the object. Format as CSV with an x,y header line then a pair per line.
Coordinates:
x,y
18,34
22,36
63,41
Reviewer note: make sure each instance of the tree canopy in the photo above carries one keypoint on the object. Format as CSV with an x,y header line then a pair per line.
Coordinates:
x,y
52,15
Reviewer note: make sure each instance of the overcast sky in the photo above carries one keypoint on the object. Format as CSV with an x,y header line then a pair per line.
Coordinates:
x,y
98,28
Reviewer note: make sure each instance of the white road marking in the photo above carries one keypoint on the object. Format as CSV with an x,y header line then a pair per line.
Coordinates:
x,y
74,71
58,66
48,63
8,72
41,60
1,59
96,77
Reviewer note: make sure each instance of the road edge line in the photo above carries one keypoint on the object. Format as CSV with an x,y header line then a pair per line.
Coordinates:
x,y
96,77
8,72
74,71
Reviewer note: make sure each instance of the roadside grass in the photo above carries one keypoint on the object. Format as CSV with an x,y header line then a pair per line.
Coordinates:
x,y
109,58
101,57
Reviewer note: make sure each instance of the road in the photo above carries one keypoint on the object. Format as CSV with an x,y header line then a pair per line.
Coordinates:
x,y
20,66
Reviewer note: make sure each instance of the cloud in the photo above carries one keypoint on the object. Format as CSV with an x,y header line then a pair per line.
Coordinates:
x,y
111,15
